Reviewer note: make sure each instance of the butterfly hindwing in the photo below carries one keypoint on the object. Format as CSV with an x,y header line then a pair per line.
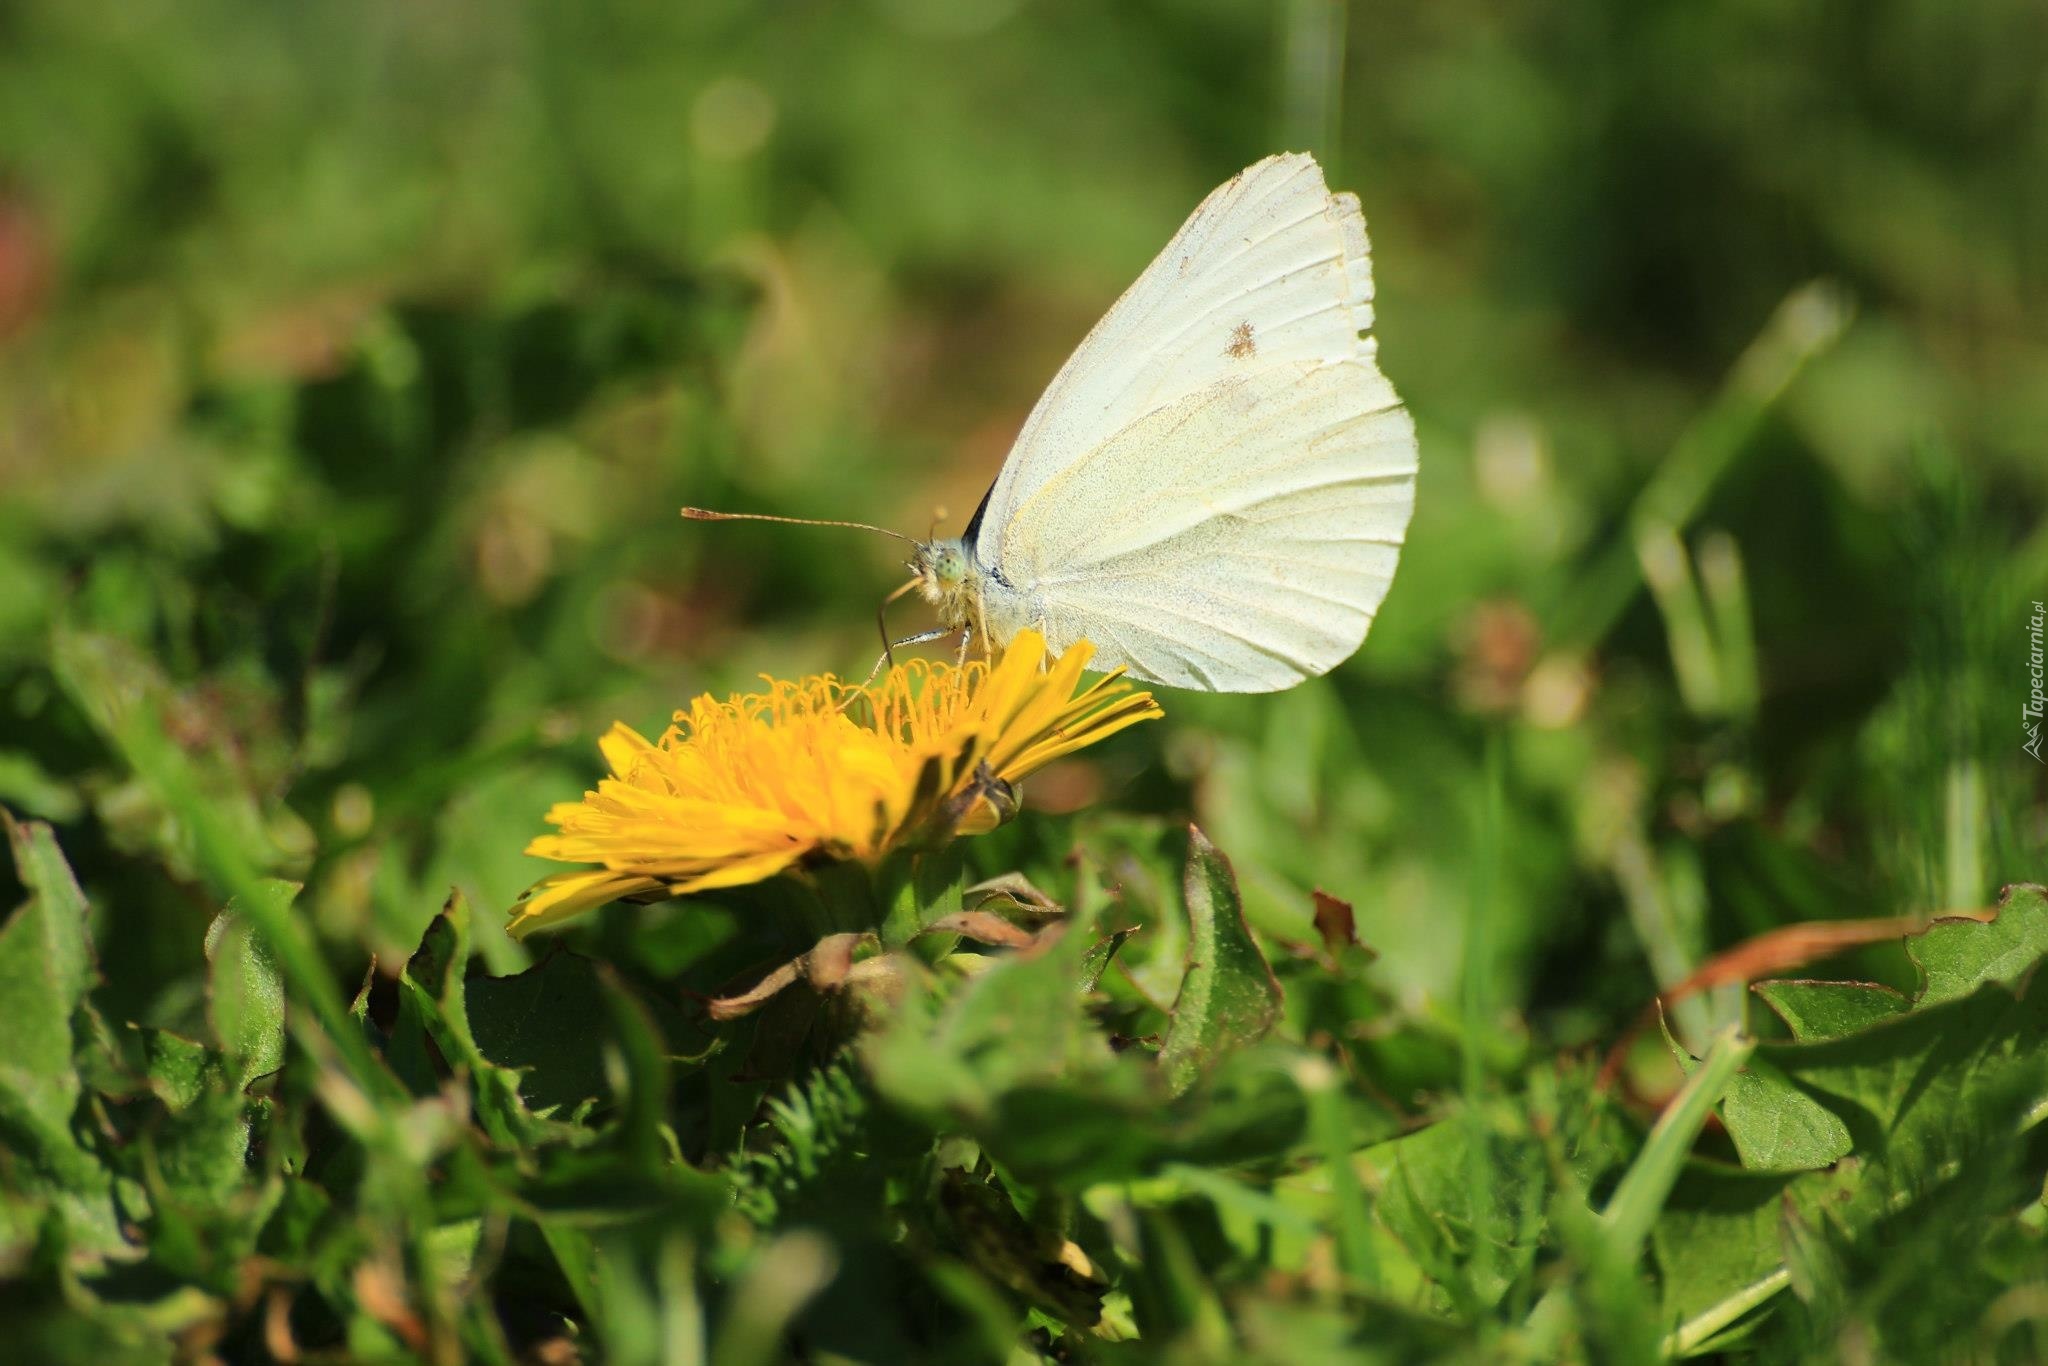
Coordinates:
x,y
1256,536
1215,487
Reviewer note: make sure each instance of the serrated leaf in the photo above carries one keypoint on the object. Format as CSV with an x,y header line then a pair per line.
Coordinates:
x,y
1921,1072
1778,1125
1017,1020
1829,1010
435,1005
1228,995
548,1023
1014,1059
1958,956
1923,1094
206,1202
552,1025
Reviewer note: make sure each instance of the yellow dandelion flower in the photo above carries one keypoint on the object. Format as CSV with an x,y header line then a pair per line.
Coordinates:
x,y
739,791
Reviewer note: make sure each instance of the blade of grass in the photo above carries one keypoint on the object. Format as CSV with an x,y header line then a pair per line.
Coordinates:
x,y
1637,1201
1963,835
1727,593
1643,1189
1648,893
1809,322
1476,1006
1330,1123
1694,659
1688,1336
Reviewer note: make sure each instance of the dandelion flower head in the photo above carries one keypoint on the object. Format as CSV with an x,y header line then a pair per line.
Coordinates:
x,y
741,790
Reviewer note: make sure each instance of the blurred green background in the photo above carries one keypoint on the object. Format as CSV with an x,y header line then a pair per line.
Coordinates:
x,y
355,358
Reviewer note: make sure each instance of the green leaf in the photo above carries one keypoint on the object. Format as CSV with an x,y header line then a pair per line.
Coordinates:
x,y
821,1140
26,787
1927,1096
435,1007
1228,995
1100,955
639,1078
1778,1127
923,886
1427,1204
552,1024
1014,1059
128,697
1116,1126
1717,1242
1829,1010
1018,1020
178,1068
1957,956
207,1203
1899,1083
1173,1295
46,969
245,991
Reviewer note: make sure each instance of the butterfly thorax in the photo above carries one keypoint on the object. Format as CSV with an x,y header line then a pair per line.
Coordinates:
x,y
946,579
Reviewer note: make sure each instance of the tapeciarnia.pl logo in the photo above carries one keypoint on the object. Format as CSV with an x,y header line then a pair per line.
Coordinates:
x,y
2030,714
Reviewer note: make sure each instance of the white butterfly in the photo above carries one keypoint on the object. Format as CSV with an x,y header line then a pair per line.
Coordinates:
x,y
1215,487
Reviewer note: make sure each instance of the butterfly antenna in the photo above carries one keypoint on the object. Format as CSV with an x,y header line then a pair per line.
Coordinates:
x,y
706,515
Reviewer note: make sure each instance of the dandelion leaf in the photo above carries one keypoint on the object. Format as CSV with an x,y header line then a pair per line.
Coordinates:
x,y
245,992
1228,996
1929,1095
46,969
1959,955
1828,1010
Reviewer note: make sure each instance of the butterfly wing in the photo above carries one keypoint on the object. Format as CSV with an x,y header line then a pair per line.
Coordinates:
x,y
1215,487
1237,540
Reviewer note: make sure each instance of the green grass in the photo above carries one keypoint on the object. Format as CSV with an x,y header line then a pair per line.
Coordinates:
x,y
354,361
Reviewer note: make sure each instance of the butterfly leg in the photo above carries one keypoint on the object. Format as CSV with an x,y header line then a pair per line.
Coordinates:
x,y
882,623
889,654
966,639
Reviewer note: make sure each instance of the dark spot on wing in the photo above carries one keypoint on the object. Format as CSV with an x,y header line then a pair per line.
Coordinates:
x,y
1241,345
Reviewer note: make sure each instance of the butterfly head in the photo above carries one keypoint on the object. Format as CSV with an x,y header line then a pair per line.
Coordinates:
x,y
945,578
